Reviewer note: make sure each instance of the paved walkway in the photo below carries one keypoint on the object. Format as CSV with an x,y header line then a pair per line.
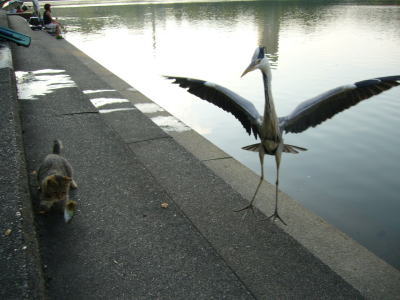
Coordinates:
x,y
123,243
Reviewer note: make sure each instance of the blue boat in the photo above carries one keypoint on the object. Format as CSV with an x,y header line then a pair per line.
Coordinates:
x,y
14,36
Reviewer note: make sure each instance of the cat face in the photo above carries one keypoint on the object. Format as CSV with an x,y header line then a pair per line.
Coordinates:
x,y
56,187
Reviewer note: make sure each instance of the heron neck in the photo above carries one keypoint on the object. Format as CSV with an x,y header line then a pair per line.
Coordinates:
x,y
270,123
269,109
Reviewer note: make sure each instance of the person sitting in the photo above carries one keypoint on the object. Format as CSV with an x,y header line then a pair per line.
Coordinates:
x,y
50,23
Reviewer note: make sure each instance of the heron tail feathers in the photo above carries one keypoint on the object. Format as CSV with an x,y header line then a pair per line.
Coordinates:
x,y
286,148
253,147
292,149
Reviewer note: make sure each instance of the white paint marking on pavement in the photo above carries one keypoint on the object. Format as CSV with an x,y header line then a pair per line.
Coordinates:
x,y
148,108
106,111
170,124
37,83
96,91
98,102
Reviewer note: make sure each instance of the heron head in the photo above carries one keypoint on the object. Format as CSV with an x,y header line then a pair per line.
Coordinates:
x,y
258,61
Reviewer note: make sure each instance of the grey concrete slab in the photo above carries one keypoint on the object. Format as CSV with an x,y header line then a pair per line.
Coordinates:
x,y
270,262
71,103
199,146
133,126
122,243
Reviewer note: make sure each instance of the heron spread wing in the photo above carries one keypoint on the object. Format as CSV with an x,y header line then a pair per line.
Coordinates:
x,y
242,109
314,111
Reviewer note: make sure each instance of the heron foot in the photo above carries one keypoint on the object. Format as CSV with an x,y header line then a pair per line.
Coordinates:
x,y
250,206
275,216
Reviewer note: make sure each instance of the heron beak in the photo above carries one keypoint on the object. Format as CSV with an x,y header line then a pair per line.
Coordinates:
x,y
250,68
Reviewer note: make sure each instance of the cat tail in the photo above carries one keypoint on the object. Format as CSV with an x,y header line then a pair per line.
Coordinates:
x,y
57,146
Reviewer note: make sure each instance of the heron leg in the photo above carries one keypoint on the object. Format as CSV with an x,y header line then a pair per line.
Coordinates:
x,y
250,205
275,215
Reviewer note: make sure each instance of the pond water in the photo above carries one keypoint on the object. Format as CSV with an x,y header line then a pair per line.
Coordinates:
x,y
350,174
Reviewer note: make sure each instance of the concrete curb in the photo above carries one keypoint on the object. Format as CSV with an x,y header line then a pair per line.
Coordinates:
x,y
21,275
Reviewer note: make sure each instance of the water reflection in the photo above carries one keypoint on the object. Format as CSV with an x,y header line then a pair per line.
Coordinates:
x,y
349,176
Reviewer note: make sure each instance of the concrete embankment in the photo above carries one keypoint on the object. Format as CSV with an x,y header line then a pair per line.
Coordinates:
x,y
20,266
155,216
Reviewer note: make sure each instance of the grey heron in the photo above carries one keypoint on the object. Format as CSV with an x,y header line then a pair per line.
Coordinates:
x,y
268,127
